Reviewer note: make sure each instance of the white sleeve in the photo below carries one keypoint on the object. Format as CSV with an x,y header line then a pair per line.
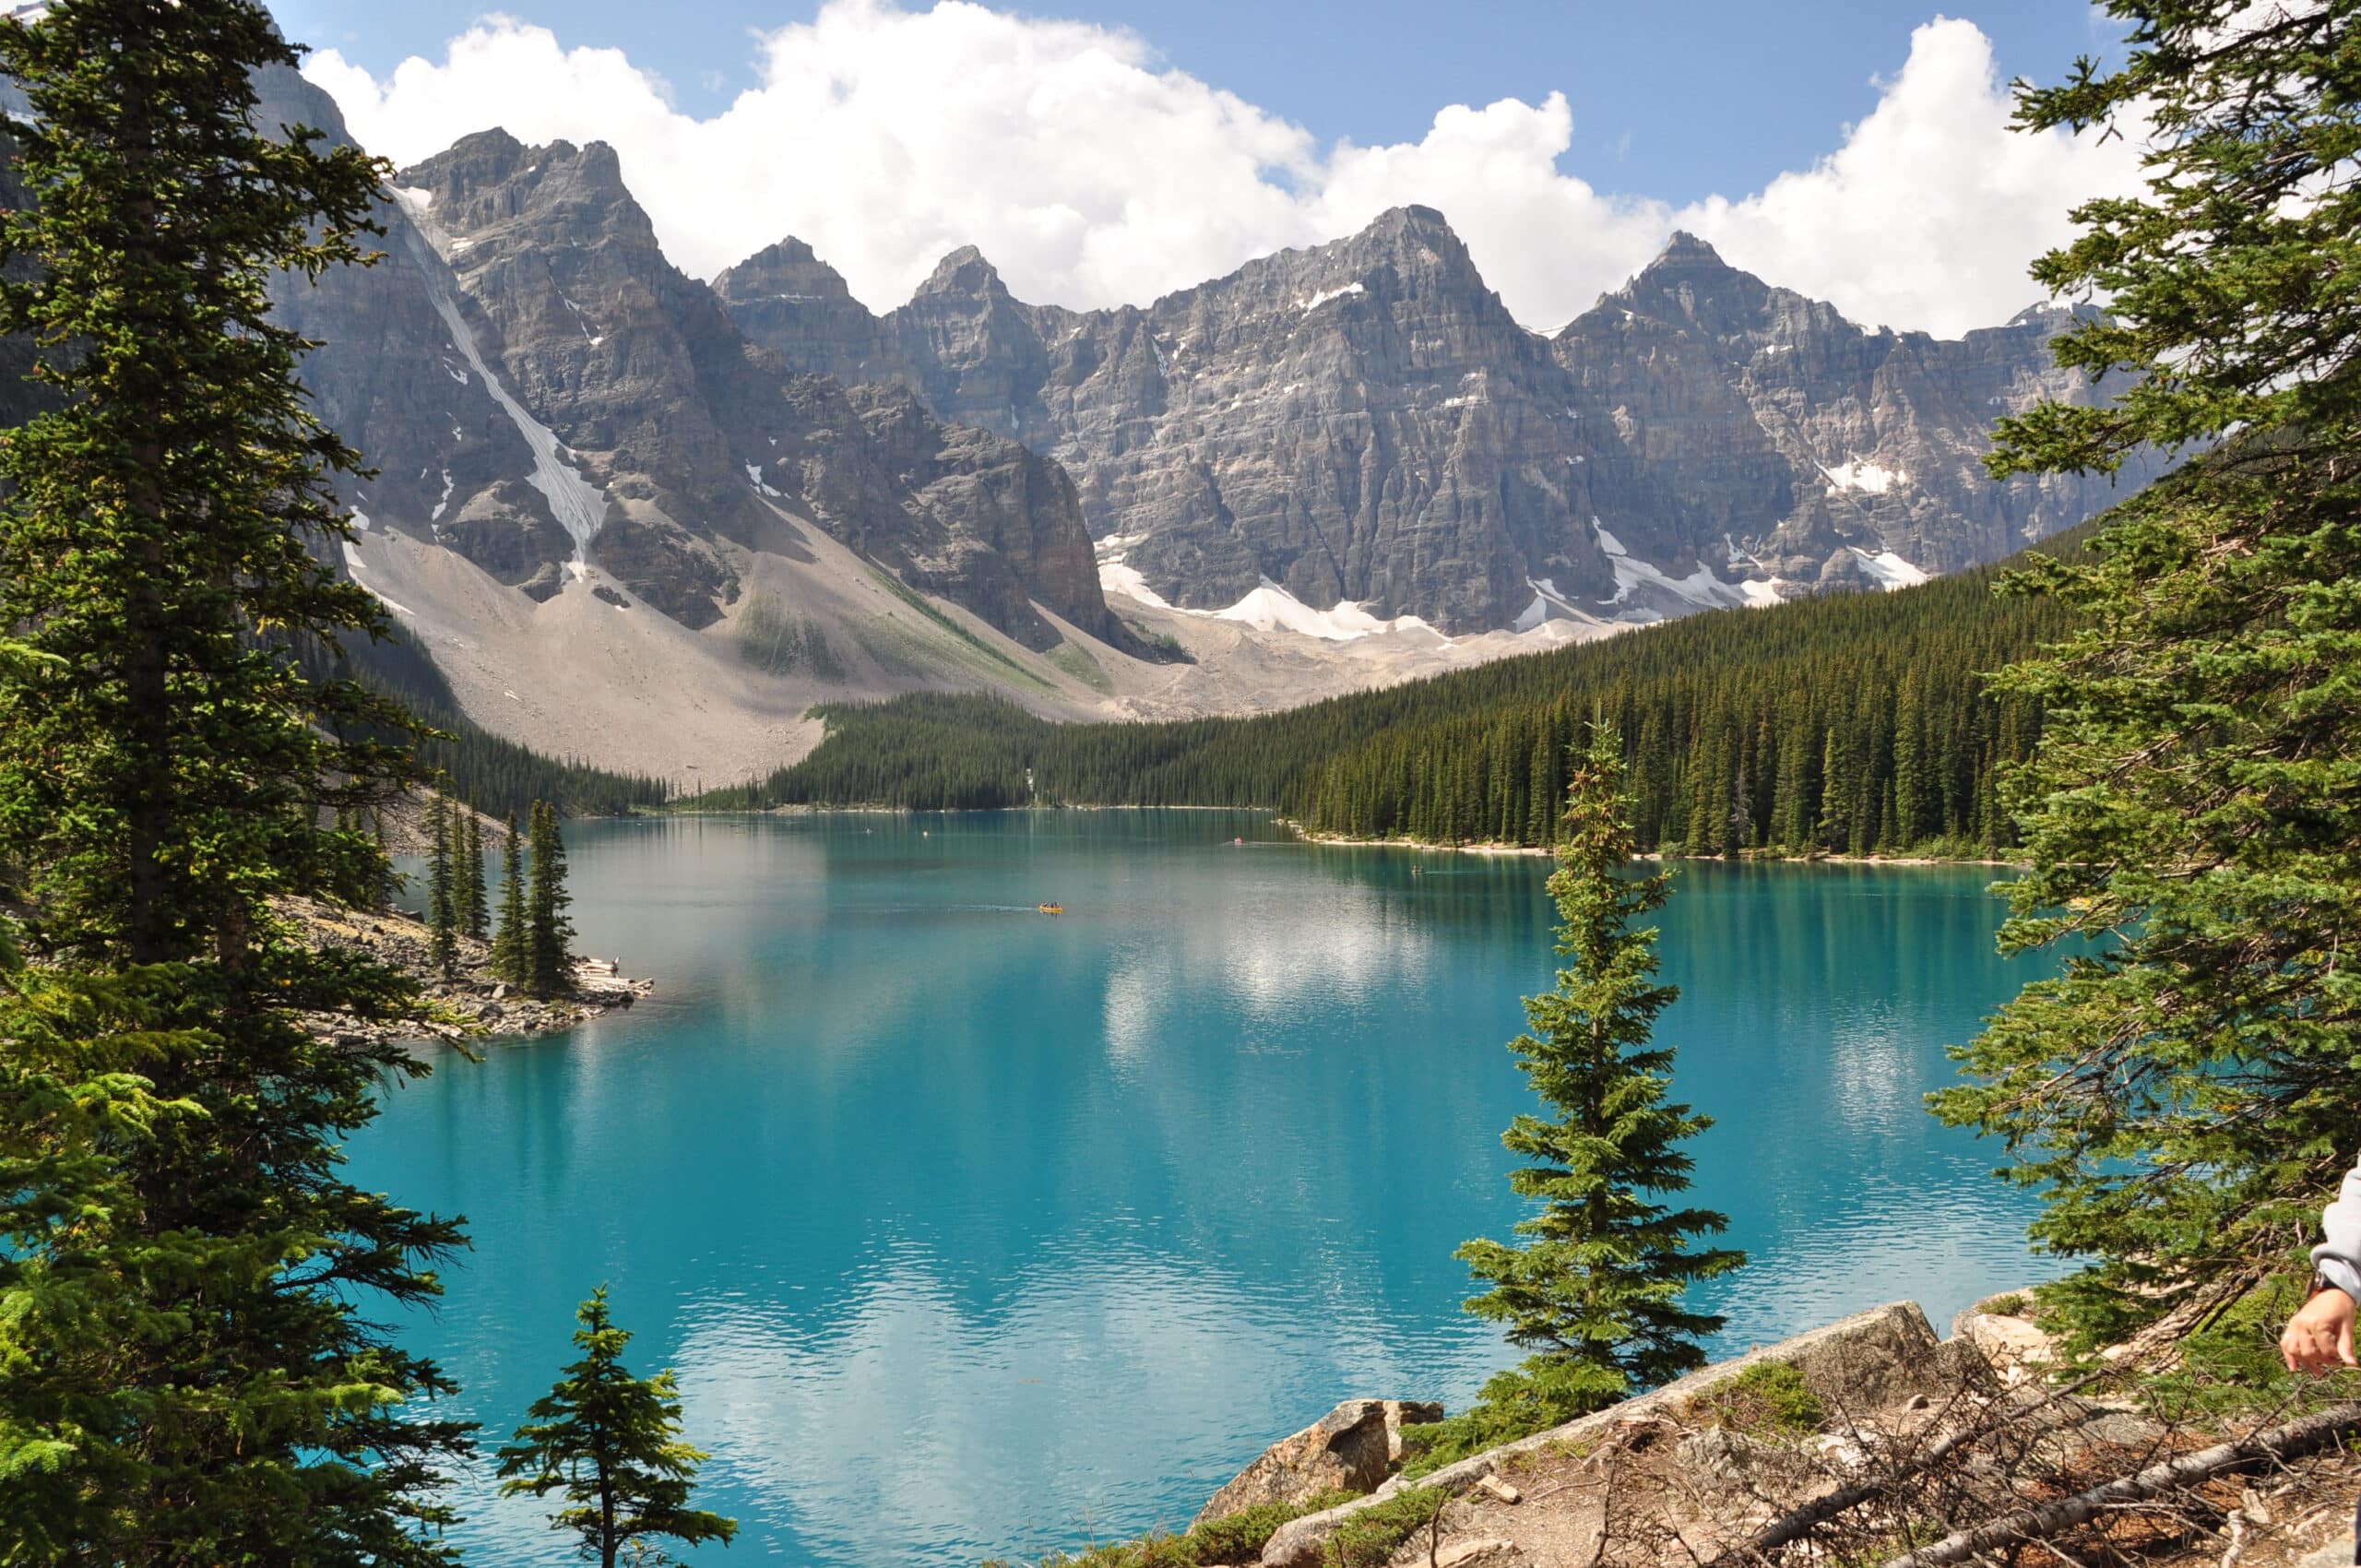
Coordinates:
x,y
2338,1257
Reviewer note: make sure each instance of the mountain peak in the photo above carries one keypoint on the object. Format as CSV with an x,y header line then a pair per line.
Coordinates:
x,y
1423,224
964,271
788,270
1686,255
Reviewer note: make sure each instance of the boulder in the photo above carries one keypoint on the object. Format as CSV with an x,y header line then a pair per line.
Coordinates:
x,y
1400,1413
1344,1450
2017,1348
1880,1357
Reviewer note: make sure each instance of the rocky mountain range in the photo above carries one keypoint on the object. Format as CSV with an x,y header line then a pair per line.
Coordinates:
x,y
654,522
1363,421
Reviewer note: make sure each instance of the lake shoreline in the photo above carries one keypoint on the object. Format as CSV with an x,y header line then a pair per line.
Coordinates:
x,y
1304,835
1338,841
468,1005
1298,832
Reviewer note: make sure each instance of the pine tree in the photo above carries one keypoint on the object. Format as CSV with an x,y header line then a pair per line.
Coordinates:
x,y
1598,1292
511,944
442,892
190,1366
474,902
609,1445
2187,1091
549,950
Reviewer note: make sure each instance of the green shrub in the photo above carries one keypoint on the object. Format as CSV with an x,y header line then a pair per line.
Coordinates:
x,y
1768,1398
1368,1538
1512,1403
1236,1538
1242,1536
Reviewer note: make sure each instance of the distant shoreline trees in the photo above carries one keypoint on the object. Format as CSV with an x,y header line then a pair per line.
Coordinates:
x,y
1860,725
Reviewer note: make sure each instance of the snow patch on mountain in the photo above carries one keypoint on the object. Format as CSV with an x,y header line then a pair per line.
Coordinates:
x,y
1891,571
578,506
1864,474
1321,298
1271,608
1699,587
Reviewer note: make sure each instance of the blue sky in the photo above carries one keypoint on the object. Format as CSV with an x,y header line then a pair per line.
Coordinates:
x,y
1673,101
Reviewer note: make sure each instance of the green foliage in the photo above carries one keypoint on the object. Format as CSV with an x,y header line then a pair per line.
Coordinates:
x,y
1513,1403
2185,1092
1368,1537
442,894
779,643
1768,1399
474,905
609,1445
191,1368
1598,1289
512,943
973,648
1076,661
2229,1367
1242,1536
1237,1539
549,936
1850,725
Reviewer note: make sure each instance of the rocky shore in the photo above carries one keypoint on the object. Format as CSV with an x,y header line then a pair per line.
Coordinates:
x,y
472,1004
1861,1443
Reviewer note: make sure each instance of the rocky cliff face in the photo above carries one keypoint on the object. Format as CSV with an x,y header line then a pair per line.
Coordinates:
x,y
1760,430
688,434
391,380
1364,422
797,305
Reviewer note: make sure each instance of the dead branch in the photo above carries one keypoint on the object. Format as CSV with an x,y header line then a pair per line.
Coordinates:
x,y
1793,1526
2288,1441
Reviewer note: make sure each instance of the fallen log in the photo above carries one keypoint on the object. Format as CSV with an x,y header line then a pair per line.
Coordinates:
x,y
2044,1520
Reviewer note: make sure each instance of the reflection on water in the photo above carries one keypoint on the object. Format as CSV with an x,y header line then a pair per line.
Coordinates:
x,y
975,1232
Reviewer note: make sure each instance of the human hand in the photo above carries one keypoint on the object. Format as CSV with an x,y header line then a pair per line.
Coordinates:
x,y
2321,1334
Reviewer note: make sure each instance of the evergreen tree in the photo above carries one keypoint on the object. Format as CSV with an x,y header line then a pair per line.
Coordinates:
x,y
609,1445
511,944
190,1366
474,901
1597,1291
442,892
2188,1090
549,946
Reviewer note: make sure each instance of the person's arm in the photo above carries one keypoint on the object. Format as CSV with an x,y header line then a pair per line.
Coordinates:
x,y
2321,1334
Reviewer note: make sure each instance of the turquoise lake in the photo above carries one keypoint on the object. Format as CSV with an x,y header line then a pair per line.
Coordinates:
x,y
973,1232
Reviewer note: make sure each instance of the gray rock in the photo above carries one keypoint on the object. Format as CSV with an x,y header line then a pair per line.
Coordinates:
x,y
1878,1358
699,441
1363,420
1344,1450
1400,1413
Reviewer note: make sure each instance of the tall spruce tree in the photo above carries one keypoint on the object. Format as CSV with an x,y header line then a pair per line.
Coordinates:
x,y
190,1366
442,892
474,902
512,943
1597,1290
549,942
2185,1091
609,1445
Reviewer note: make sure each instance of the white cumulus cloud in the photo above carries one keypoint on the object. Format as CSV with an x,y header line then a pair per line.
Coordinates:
x,y
1093,176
